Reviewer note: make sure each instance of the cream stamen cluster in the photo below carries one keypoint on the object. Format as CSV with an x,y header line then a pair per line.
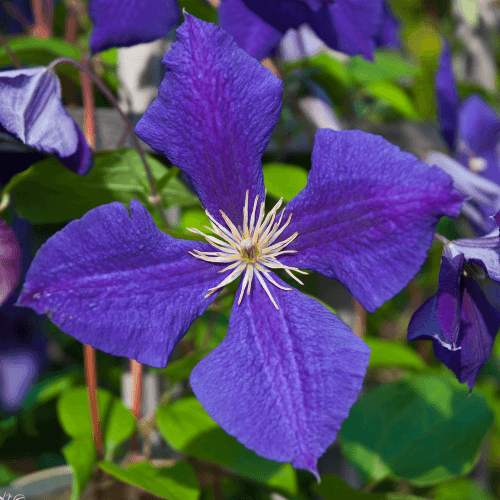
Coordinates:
x,y
251,249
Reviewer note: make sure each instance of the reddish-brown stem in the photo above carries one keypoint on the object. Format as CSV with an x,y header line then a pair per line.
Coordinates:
x,y
91,381
88,107
89,352
15,60
71,28
359,319
136,373
43,14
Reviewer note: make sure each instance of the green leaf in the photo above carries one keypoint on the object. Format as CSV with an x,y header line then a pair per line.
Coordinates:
x,y
386,353
460,488
424,429
50,388
181,369
199,10
186,426
7,475
194,217
81,455
331,67
388,65
175,483
38,51
8,427
47,192
284,180
333,488
117,421
394,96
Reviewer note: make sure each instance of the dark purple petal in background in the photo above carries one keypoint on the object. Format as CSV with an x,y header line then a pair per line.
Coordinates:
x,y
368,213
122,23
478,135
480,322
250,32
388,32
10,261
31,110
282,381
448,100
214,115
116,282
350,26
449,298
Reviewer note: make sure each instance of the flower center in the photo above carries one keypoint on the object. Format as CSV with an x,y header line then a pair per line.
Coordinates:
x,y
252,250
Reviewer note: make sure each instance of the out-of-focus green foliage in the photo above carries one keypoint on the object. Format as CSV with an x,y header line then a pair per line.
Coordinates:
x,y
425,429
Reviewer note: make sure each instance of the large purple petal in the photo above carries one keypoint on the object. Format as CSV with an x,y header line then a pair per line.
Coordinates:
x,y
368,213
447,97
118,283
282,381
31,110
250,32
478,127
480,322
214,115
122,23
10,261
350,26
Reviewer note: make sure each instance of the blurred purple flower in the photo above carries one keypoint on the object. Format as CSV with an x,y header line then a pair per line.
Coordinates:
x,y
350,26
122,23
471,130
288,371
10,258
459,319
32,111
22,346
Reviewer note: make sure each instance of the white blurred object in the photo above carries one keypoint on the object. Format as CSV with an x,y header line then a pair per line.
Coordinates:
x,y
319,113
475,19
140,72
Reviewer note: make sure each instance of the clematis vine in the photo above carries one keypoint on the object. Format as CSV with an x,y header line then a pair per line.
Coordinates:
x,y
31,110
462,320
472,132
288,371
123,23
350,26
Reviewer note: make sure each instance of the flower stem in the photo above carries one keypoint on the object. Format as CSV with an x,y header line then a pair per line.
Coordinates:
x,y
15,60
155,197
359,319
43,11
136,372
89,352
91,381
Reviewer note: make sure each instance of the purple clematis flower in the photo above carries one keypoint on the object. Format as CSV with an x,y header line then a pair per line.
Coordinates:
x,y
472,132
123,23
460,319
10,258
32,111
288,371
350,26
